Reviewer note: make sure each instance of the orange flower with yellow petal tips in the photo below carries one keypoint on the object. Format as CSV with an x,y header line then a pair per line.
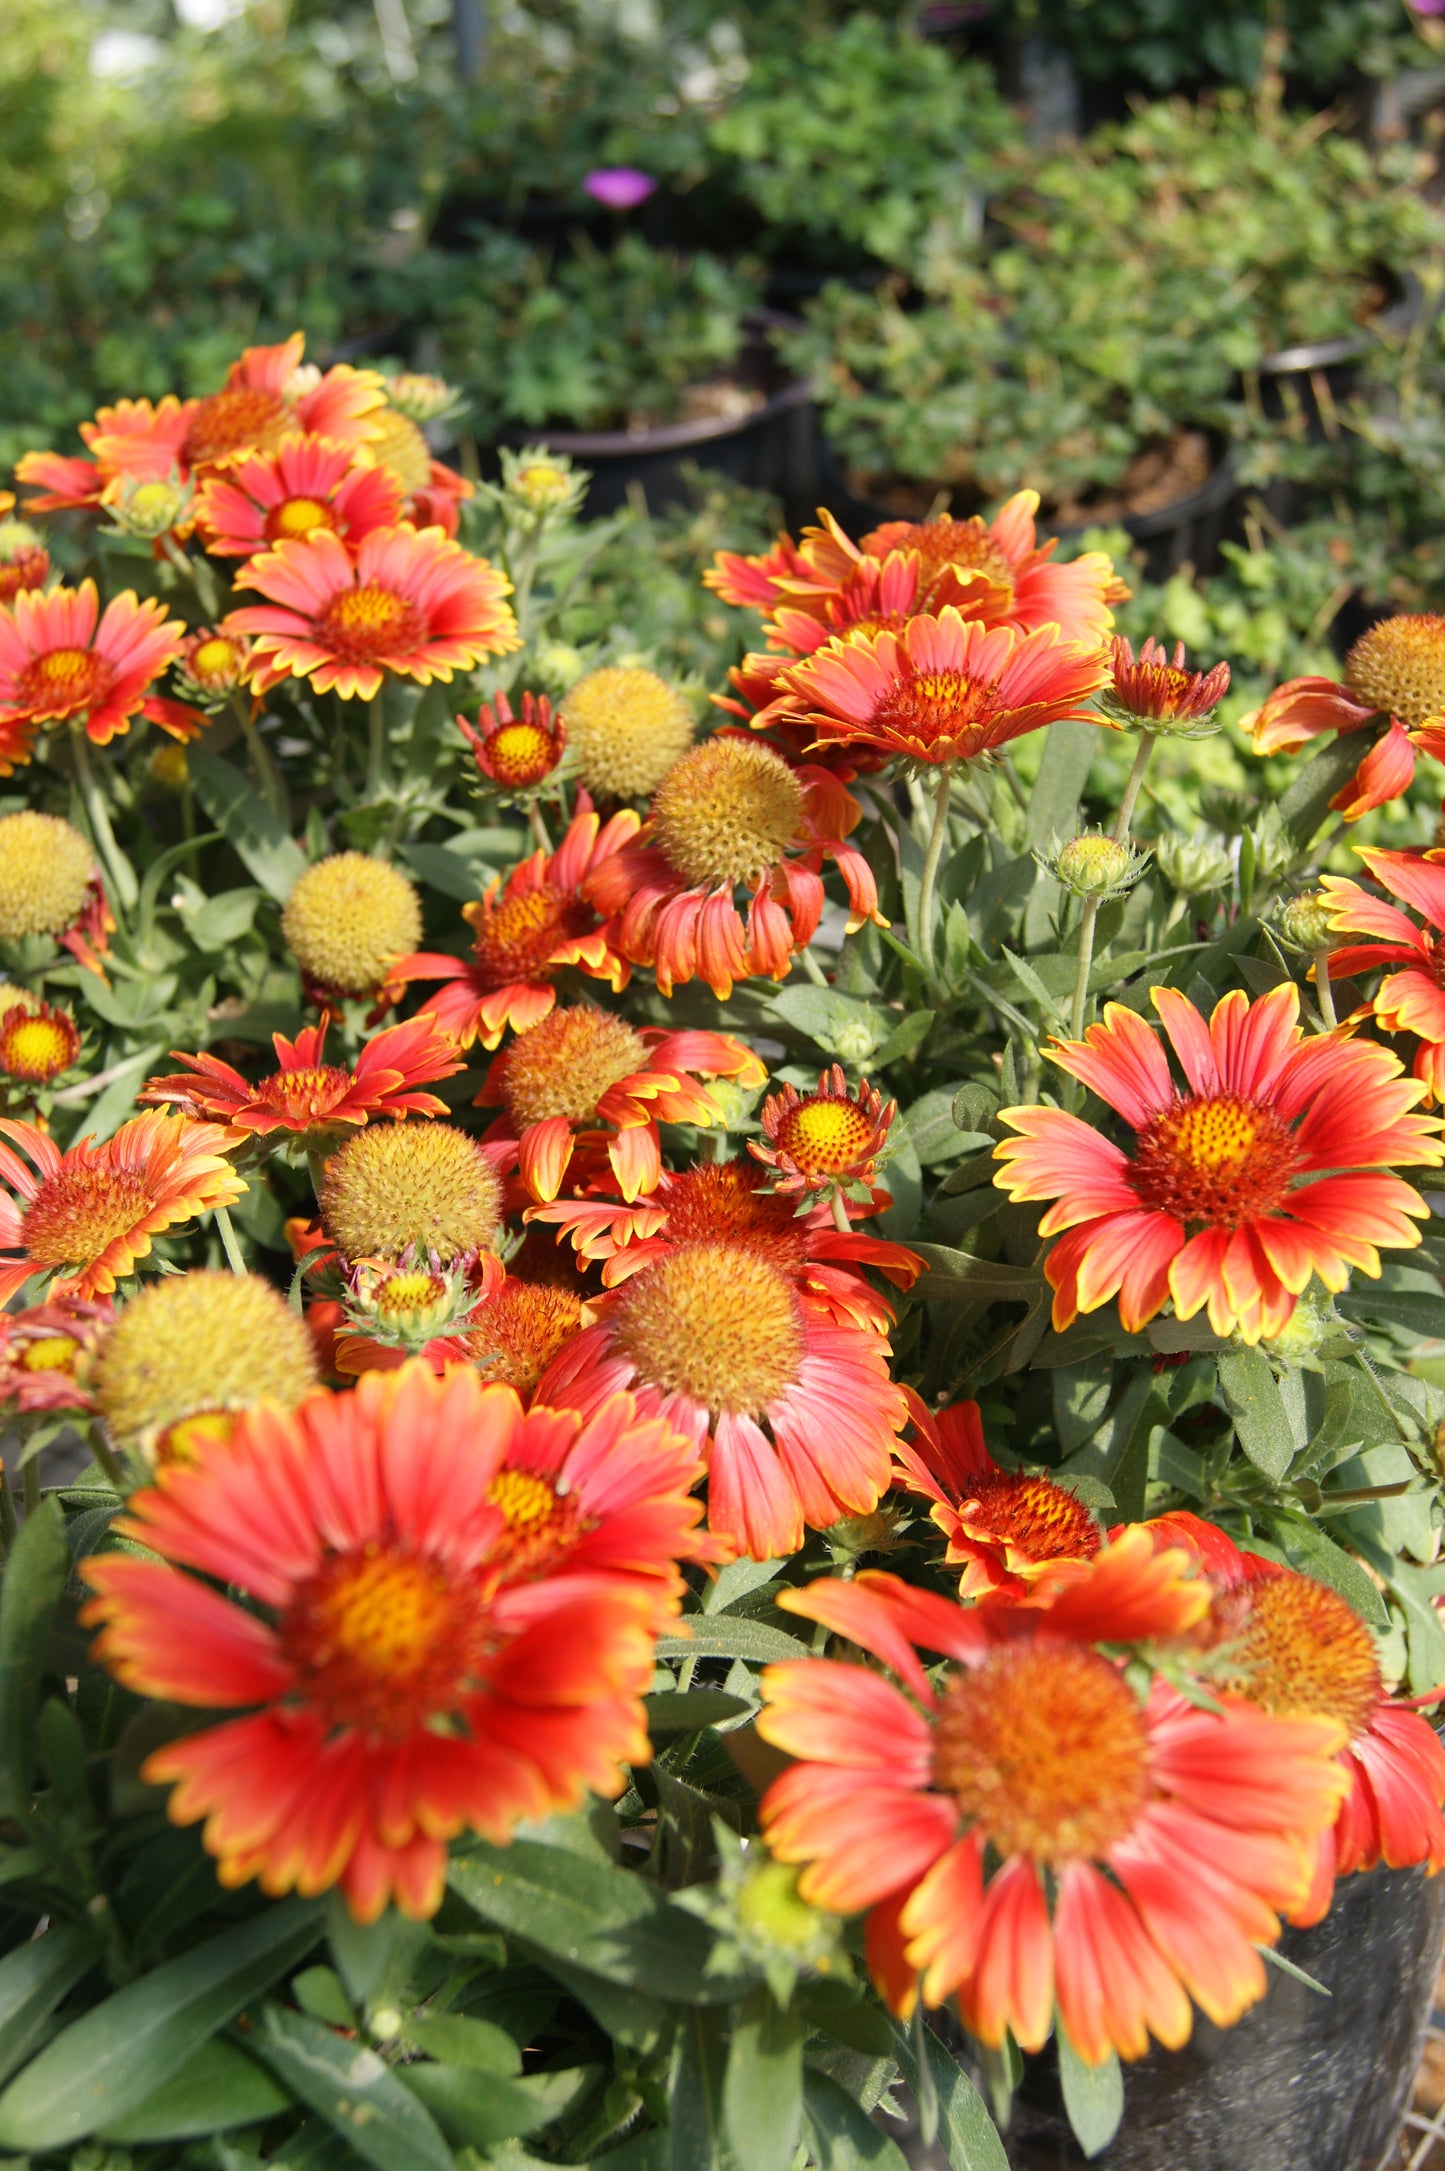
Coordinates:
x,y
1004,1528
792,1406
728,1202
1395,676
436,1641
526,932
411,602
732,814
307,1097
817,1141
305,486
1413,1000
63,661
582,1066
1265,1167
86,1215
1029,1834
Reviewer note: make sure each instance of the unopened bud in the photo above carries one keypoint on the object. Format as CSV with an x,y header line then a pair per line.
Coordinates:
x,y
169,768
558,664
1273,847
422,397
768,1904
1093,865
151,509
1303,922
541,482
1193,865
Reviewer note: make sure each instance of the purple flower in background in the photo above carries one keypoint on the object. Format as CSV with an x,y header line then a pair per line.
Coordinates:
x,y
623,188
1428,7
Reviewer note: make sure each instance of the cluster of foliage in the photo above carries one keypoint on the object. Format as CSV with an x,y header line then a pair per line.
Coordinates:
x,y
432,1731
1167,45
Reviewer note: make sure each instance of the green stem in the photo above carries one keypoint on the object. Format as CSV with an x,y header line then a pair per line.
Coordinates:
x,y
316,1162
524,573
811,966
8,1524
264,768
1014,782
1324,993
1142,757
107,1459
936,838
30,1486
229,1244
375,748
840,1214
1087,920
538,826
123,888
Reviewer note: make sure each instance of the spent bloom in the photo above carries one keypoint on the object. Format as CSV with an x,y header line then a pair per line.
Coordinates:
x,y
49,886
627,728
346,922
399,1190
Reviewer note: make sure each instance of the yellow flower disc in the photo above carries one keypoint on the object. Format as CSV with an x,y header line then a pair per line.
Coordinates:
x,y
396,1185
45,871
625,729
347,918
201,1341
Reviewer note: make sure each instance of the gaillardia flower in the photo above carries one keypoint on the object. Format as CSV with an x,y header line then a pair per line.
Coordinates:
x,y
411,602
793,1408
61,661
212,664
627,727
347,921
88,1214
731,814
45,1353
401,1188
190,1351
434,493
945,689
309,1098
516,753
24,559
819,1141
401,1681
1152,692
1004,1528
1411,1001
1266,1168
526,932
581,1066
37,1044
49,886
1029,1833
308,485
1395,675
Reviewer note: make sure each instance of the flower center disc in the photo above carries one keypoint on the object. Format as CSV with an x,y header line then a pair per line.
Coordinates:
x,y
540,1524
715,1324
37,1048
960,547
727,812
825,1137
370,624
1035,1518
563,1066
216,662
520,753
50,1353
78,1211
398,1185
298,516
242,418
1399,667
395,443
64,681
303,1096
1302,1650
1045,1747
519,1331
1214,1159
517,935
723,1202
941,705
382,1639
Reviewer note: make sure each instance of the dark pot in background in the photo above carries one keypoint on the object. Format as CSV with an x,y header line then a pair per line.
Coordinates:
x,y
1313,380
1301,2083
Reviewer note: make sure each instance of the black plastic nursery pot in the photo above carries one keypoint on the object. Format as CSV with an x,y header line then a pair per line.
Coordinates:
x,y
1311,381
772,447
1301,2083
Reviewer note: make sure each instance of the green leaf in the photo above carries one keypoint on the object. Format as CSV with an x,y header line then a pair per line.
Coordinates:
x,y
1305,1546
1069,750
1307,801
688,1714
605,1920
442,869
35,1573
1252,1398
247,823
222,919
975,1108
732,1635
354,2091
935,1136
762,2096
695,2088
1119,1453
1416,1589
33,1980
959,1278
478,2108
1034,987
107,2063
455,2040
844,2137
1417,1310
216,2088
832,1019
733,1583
1093,2096
1081,1399
966,2133
903,1039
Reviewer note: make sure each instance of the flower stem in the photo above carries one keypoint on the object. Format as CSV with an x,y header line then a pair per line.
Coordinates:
x,y
117,869
811,966
929,878
1324,993
229,1244
1087,920
538,826
30,1486
107,1459
261,762
375,748
1142,756
840,1214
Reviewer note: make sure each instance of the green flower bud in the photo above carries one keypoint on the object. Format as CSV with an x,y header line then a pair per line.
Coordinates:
x,y
151,509
1303,922
1193,865
1093,865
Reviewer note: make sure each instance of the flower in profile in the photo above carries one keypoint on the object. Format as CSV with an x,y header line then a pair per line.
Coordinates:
x,y
1412,1000
732,814
49,886
581,1067
45,1353
308,1098
61,661
347,921
516,753
620,188
191,1351
306,487
407,1668
400,1189
87,1215
1005,1528
627,728
821,1141
526,933
24,559
792,1407
1266,1168
945,689
411,602
1028,1833
212,664
1161,694
1395,675
37,1045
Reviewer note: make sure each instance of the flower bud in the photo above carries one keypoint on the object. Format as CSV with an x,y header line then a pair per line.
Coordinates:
x,y
151,509
1273,847
1093,865
422,397
1158,693
540,482
1194,865
558,664
24,559
1304,922
1314,1329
